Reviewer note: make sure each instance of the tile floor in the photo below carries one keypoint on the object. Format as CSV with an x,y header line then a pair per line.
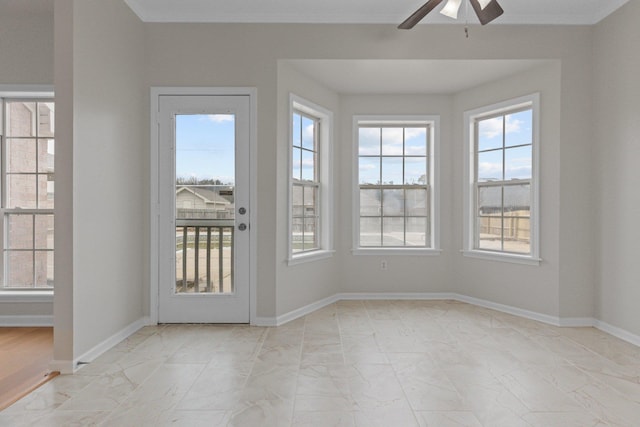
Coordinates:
x,y
354,363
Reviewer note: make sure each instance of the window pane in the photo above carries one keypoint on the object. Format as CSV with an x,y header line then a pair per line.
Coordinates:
x,y
490,133
392,171
297,226
308,133
296,200
370,202
517,163
21,118
296,158
416,231
369,170
490,200
490,166
19,269
369,141
517,200
21,155
393,232
490,233
370,232
518,128
310,198
415,142
43,232
45,191
20,231
393,202
297,141
21,191
44,269
416,202
308,165
517,222
46,153
415,170
46,121
310,233
517,234
392,140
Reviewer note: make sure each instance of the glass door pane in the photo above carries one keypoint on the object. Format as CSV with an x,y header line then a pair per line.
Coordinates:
x,y
204,202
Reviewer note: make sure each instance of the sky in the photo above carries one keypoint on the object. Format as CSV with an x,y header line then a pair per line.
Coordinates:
x,y
517,132
205,147
380,151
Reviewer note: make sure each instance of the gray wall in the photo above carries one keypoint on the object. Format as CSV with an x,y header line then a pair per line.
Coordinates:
x,y
534,288
102,167
616,145
106,60
26,58
248,55
26,43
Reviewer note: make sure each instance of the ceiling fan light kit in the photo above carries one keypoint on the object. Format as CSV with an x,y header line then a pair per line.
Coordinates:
x,y
451,9
486,10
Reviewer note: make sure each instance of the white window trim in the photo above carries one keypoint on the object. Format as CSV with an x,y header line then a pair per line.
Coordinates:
x,y
325,220
24,91
434,176
470,116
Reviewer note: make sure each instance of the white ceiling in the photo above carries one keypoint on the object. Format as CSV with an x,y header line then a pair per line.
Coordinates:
x,y
402,77
570,12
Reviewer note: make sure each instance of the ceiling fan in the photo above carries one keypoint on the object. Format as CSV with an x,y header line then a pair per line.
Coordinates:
x,y
486,10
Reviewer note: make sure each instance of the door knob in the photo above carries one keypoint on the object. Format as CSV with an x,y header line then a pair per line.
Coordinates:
x,y
242,227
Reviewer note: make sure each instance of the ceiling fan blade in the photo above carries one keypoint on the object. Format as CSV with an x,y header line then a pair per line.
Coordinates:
x,y
417,16
489,13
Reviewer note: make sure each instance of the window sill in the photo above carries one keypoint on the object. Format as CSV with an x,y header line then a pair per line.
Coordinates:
x,y
310,257
397,251
26,296
494,256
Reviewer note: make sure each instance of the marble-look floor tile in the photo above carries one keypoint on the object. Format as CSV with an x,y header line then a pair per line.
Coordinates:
x,y
447,419
352,363
323,419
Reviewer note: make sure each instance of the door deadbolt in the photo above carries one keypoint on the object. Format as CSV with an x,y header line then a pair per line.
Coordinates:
x,y
242,211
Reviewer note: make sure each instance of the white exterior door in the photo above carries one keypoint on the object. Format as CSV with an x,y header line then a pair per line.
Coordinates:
x,y
203,193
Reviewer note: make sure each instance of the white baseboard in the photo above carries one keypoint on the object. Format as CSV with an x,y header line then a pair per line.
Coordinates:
x,y
69,367
527,314
264,321
396,296
618,332
26,321
307,309
578,322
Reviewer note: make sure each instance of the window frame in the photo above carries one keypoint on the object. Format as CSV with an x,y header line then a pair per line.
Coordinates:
x,y
323,183
471,186
432,123
28,93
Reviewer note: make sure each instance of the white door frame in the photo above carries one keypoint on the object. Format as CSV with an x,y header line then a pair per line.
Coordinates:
x,y
154,207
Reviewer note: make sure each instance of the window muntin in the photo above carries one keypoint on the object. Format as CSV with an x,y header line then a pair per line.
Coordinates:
x,y
503,213
394,185
28,150
305,183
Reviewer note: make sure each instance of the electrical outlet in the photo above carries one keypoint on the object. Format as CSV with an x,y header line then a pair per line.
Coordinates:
x,y
383,264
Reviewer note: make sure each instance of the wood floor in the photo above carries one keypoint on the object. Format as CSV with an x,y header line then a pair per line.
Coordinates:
x,y
25,354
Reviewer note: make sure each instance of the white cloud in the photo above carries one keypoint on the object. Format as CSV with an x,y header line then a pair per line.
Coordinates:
x,y
490,170
493,127
221,118
368,167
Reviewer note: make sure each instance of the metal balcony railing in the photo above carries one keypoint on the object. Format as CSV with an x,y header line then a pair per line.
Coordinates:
x,y
204,256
